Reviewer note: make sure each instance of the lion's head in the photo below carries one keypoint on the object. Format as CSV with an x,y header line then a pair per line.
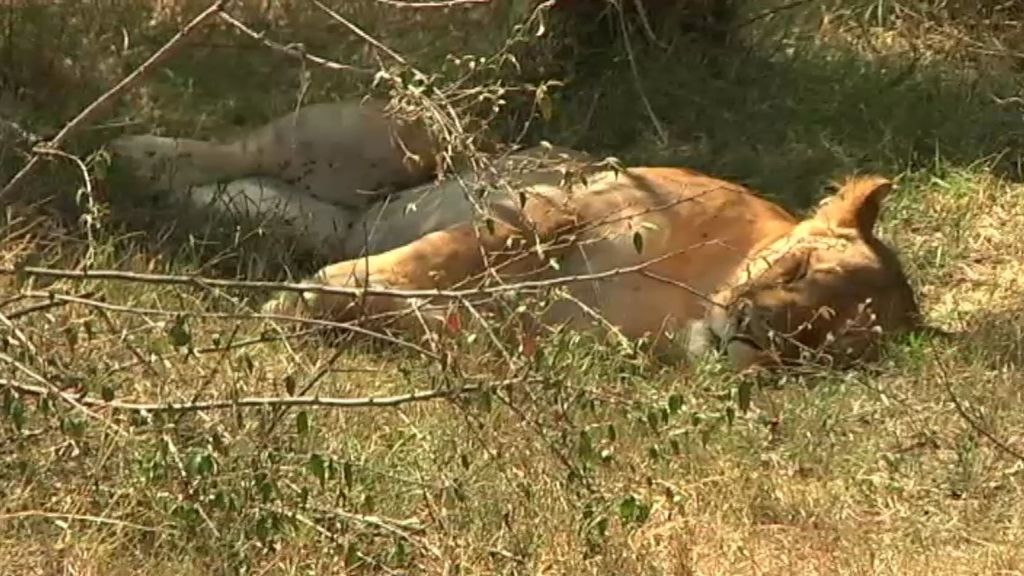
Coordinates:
x,y
828,290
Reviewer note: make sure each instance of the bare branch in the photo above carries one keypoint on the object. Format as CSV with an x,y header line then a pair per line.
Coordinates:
x,y
434,3
260,402
81,517
355,292
348,326
90,111
662,134
361,33
42,306
48,386
971,420
92,214
290,49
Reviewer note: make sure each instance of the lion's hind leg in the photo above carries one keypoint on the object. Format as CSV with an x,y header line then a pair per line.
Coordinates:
x,y
177,164
267,202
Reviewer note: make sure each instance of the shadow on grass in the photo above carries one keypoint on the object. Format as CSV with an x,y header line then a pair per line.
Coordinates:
x,y
783,118
788,123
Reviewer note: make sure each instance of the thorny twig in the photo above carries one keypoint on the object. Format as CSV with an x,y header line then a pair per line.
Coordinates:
x,y
93,109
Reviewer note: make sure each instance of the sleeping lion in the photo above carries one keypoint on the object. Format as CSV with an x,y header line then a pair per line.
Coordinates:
x,y
641,252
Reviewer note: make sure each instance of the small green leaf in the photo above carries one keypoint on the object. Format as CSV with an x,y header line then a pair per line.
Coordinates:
x,y
199,463
178,333
318,467
633,510
107,393
351,555
73,425
16,410
743,394
486,402
675,403
289,384
400,554
302,423
652,419
346,474
586,446
638,242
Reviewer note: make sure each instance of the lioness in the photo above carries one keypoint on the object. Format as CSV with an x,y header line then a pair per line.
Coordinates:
x,y
655,251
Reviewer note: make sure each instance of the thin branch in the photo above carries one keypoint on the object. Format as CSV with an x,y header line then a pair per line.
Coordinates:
x,y
22,133
772,12
290,50
215,349
90,111
971,421
361,33
349,326
433,3
662,134
7,321
399,528
645,23
260,402
49,387
82,517
91,215
355,292
43,306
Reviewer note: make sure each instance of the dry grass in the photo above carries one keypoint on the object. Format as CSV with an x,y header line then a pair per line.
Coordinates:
x,y
607,463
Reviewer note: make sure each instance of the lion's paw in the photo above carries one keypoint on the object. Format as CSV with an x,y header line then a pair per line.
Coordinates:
x,y
290,304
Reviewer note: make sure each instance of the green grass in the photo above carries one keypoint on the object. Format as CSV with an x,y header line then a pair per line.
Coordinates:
x,y
606,463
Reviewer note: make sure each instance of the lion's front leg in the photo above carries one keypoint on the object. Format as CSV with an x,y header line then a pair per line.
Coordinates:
x,y
349,276
437,261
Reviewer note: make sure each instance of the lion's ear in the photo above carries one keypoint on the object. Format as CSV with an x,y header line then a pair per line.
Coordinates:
x,y
856,204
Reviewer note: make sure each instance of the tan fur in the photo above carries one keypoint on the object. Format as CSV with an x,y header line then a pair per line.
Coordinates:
x,y
344,154
724,267
723,260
